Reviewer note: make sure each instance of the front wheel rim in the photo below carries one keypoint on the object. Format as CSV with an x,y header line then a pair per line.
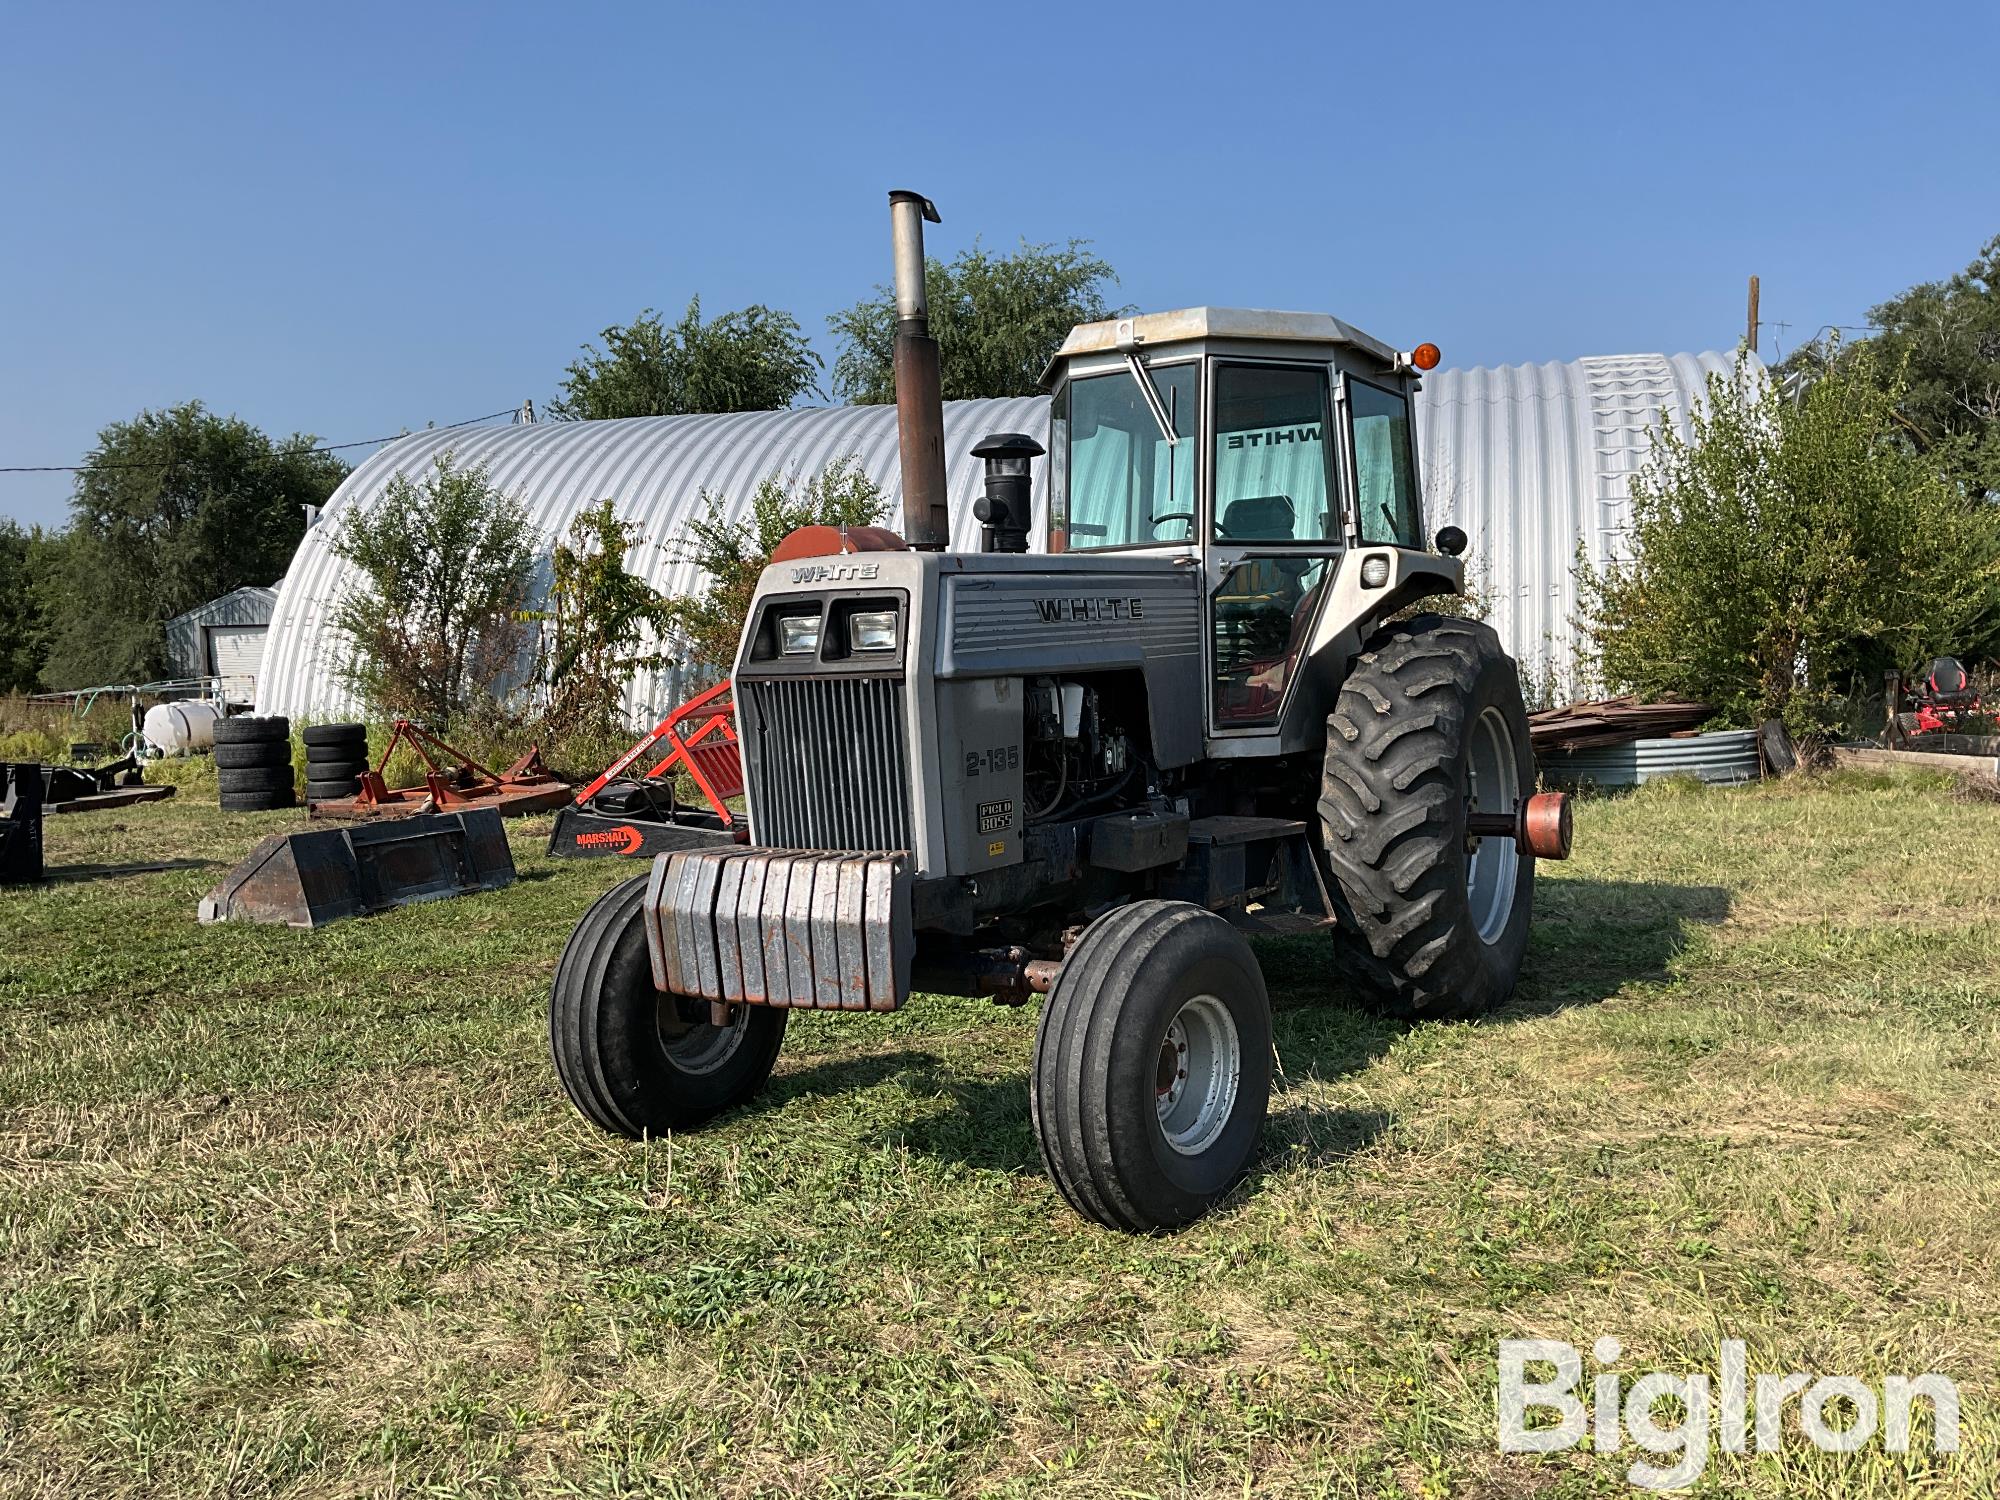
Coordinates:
x,y
1198,1074
1493,785
694,1046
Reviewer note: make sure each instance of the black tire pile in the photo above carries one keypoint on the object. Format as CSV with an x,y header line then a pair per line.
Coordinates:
x,y
253,764
336,755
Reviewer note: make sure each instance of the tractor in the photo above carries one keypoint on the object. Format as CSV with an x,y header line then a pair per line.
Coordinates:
x,y
1213,705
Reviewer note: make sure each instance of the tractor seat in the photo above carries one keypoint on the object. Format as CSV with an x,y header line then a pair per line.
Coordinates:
x,y
1260,518
1947,677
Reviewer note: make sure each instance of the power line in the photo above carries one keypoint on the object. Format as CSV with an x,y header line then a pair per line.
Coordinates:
x,y
282,453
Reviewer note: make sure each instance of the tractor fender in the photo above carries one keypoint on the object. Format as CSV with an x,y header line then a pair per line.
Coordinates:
x,y
1354,609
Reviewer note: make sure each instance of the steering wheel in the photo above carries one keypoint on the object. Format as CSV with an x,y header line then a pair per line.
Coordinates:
x,y
1173,515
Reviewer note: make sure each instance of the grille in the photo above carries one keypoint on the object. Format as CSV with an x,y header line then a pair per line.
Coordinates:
x,y
832,768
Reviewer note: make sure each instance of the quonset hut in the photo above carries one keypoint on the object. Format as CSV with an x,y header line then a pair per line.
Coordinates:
x,y
656,470
1535,464
1533,461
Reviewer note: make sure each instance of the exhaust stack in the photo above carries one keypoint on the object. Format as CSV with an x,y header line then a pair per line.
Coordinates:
x,y
919,384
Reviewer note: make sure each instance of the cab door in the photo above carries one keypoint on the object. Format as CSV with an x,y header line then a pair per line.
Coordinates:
x,y
1275,531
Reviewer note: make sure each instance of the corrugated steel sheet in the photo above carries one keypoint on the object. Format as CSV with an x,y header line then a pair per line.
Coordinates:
x,y
1535,462
656,469
1727,755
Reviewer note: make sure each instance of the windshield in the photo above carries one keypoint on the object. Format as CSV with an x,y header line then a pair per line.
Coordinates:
x,y
1127,486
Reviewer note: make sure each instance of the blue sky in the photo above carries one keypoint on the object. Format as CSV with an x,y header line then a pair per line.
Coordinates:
x,y
353,219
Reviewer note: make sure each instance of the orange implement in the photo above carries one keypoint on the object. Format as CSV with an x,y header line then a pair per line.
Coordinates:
x,y
524,787
700,738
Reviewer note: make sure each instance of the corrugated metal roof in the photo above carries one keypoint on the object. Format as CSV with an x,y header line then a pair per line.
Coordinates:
x,y
187,656
1535,462
655,469
248,605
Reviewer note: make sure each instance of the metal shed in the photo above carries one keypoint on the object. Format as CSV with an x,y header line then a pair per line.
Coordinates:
x,y
1533,461
224,638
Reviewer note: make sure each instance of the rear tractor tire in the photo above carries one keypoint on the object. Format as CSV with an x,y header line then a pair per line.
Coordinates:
x,y
637,1062
1152,1071
1429,726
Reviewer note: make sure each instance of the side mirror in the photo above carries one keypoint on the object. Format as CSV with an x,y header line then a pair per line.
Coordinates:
x,y
1450,541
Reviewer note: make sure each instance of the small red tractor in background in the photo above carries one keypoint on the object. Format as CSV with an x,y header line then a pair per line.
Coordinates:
x,y
1942,701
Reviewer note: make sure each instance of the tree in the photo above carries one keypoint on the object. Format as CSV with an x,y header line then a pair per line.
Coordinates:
x,y
174,508
28,560
435,623
1790,550
595,623
1943,340
752,360
1939,348
997,319
706,627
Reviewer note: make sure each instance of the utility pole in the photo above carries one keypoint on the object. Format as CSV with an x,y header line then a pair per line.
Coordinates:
x,y
1750,333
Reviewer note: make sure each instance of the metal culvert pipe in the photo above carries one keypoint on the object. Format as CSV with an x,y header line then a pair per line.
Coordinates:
x,y
1722,756
919,381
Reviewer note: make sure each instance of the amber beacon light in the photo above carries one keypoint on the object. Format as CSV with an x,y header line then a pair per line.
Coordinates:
x,y
1425,356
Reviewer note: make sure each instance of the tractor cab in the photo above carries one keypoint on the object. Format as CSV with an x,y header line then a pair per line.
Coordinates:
x,y
1273,450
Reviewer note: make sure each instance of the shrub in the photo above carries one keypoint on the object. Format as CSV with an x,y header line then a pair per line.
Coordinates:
x,y
706,627
597,624
437,621
1790,549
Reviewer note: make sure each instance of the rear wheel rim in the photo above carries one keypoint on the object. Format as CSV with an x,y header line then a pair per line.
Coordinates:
x,y
1197,1076
1493,785
692,1044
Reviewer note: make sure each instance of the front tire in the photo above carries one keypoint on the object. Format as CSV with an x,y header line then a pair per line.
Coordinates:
x,y
1429,724
637,1062
1152,1070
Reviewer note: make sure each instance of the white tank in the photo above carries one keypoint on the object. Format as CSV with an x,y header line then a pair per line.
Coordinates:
x,y
180,728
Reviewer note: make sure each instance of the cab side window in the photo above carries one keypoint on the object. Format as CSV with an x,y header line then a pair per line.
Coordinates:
x,y
1385,476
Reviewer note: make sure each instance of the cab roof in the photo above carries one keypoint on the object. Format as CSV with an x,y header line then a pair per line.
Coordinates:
x,y
1191,323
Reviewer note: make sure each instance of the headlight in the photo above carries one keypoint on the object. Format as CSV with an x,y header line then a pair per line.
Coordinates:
x,y
873,630
1374,571
798,635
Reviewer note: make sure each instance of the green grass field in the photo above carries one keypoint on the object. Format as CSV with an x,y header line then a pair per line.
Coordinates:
x,y
288,1213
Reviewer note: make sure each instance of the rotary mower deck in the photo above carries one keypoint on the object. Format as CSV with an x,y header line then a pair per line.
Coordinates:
x,y
524,787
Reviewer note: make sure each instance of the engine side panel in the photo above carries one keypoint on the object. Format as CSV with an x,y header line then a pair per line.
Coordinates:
x,y
1021,624
980,732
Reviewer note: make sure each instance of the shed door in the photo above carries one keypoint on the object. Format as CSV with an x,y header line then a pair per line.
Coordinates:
x,y
236,650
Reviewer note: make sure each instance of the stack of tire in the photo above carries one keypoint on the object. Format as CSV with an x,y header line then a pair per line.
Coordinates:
x,y
336,755
253,763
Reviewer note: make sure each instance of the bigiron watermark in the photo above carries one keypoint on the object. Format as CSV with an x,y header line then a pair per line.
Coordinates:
x,y
1838,1413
